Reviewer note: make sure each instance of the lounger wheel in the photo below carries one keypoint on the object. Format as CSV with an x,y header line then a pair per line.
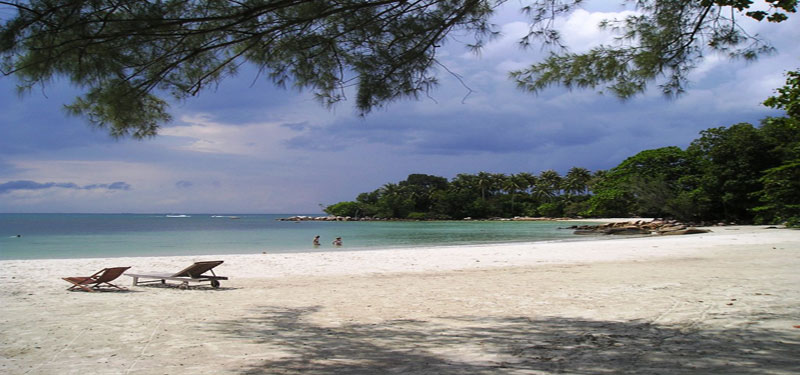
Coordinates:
x,y
215,283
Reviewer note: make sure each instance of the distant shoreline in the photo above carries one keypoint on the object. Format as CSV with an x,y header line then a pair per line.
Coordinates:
x,y
516,218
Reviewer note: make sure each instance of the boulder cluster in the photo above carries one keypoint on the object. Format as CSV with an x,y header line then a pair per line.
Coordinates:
x,y
660,227
324,218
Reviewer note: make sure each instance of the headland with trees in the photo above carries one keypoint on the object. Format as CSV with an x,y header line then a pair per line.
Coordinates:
x,y
736,174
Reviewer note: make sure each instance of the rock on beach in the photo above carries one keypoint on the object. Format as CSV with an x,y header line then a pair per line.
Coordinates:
x,y
658,227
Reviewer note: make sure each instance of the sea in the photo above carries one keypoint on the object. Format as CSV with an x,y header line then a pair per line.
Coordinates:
x,y
54,236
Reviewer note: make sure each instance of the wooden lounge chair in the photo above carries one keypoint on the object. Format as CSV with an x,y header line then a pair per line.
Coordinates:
x,y
192,274
100,279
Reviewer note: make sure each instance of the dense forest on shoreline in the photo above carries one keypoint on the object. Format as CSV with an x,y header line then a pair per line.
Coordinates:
x,y
740,173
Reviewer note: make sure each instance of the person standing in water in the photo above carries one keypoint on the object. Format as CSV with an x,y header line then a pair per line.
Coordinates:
x,y
315,242
337,241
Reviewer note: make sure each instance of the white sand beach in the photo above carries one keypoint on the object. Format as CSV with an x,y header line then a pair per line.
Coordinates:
x,y
719,303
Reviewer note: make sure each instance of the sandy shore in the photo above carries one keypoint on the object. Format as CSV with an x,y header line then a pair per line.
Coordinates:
x,y
727,302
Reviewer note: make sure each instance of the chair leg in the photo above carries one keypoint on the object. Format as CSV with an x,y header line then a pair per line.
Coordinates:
x,y
77,285
84,287
114,286
91,289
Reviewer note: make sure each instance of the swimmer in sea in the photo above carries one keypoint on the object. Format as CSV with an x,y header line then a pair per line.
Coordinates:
x,y
315,242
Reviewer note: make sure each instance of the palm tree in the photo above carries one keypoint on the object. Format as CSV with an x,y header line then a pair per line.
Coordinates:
x,y
485,181
549,184
577,180
528,180
390,190
512,184
464,182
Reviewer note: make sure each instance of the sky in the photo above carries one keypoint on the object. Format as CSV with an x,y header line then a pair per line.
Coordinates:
x,y
250,147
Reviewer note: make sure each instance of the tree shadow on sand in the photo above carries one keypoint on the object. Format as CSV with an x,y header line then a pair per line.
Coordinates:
x,y
508,345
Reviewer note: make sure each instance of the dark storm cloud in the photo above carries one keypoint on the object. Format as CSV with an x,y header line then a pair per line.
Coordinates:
x,y
36,122
296,126
119,185
346,133
10,186
245,98
459,132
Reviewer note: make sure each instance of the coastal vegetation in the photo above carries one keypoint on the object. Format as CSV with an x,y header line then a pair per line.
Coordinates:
x,y
741,173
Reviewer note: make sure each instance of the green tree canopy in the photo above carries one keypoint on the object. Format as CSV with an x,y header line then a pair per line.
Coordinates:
x,y
129,55
576,181
732,160
739,173
643,184
662,41
780,198
788,96
352,209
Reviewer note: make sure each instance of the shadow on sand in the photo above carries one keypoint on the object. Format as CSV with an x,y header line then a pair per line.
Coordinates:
x,y
509,345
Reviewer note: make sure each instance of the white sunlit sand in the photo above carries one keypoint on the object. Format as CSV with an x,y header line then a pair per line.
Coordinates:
x,y
723,302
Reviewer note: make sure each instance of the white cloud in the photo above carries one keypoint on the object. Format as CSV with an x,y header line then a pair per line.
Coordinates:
x,y
581,31
204,135
509,65
708,65
507,44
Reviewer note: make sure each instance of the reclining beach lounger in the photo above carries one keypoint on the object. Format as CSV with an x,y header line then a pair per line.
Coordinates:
x,y
192,274
100,279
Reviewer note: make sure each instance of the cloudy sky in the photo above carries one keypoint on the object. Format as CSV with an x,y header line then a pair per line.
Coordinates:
x,y
249,147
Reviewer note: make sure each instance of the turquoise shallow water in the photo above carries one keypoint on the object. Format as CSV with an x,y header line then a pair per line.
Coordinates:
x,y
47,236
